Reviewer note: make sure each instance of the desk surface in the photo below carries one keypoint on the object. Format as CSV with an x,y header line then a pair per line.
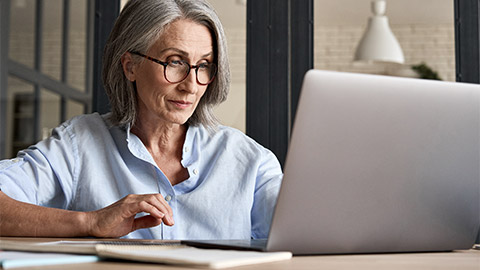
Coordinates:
x,y
459,260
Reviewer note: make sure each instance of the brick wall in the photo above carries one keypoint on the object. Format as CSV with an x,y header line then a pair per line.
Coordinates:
x,y
432,44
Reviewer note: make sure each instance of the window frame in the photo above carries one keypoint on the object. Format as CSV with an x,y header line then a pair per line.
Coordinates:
x,y
101,16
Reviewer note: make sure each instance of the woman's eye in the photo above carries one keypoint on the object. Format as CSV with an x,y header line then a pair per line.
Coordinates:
x,y
176,62
204,65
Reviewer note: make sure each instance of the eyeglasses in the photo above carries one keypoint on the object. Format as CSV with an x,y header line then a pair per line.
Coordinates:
x,y
176,71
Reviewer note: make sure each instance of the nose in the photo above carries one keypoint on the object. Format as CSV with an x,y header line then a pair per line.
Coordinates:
x,y
190,83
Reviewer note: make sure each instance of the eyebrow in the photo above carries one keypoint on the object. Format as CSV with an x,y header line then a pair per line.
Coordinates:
x,y
182,52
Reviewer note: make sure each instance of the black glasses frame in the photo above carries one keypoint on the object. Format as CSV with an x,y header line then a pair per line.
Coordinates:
x,y
190,67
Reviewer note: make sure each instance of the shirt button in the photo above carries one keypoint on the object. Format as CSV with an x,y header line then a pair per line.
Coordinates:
x,y
186,149
195,171
168,198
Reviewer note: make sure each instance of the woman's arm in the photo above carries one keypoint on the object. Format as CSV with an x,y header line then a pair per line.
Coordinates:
x,y
269,178
23,219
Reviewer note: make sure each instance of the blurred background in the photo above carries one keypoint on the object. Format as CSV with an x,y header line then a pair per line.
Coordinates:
x,y
51,72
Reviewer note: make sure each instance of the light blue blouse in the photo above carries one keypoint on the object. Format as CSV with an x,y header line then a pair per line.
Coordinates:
x,y
87,164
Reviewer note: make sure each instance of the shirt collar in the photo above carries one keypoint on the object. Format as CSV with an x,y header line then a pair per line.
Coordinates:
x,y
138,149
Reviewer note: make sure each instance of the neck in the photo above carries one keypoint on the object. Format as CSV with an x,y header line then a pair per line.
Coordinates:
x,y
160,139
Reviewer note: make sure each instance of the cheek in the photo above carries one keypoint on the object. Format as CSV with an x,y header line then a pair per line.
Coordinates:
x,y
151,76
202,92
151,97
152,85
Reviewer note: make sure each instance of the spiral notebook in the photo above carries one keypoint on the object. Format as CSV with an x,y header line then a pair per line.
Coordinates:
x,y
189,256
152,251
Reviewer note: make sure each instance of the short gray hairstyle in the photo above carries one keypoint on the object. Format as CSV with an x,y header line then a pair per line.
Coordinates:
x,y
138,27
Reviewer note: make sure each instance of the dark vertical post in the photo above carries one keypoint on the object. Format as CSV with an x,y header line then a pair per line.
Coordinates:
x,y
279,52
467,41
258,70
90,49
279,75
38,67
65,49
302,47
65,40
4,34
106,12
268,74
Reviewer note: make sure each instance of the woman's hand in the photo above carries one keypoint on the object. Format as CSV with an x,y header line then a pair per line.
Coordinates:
x,y
118,219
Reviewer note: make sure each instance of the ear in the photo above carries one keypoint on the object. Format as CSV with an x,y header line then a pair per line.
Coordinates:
x,y
128,66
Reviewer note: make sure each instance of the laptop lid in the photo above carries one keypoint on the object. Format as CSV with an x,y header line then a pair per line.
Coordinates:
x,y
380,164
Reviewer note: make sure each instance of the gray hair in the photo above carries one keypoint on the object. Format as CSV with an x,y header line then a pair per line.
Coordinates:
x,y
138,27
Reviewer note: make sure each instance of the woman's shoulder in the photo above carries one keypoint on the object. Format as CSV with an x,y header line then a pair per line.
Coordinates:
x,y
219,132
86,122
229,137
231,131
85,125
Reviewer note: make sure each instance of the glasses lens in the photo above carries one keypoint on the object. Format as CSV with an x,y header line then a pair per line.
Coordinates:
x,y
176,71
206,72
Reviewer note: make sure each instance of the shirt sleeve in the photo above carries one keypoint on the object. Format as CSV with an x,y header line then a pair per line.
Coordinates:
x,y
43,174
268,182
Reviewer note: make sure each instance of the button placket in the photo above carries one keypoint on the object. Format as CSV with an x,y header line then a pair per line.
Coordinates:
x,y
169,232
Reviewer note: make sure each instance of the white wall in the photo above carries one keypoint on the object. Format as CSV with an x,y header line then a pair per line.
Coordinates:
x,y
233,15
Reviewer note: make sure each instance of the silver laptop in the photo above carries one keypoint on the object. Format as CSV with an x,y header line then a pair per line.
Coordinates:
x,y
380,164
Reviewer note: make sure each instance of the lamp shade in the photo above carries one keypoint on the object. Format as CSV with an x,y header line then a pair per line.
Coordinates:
x,y
378,42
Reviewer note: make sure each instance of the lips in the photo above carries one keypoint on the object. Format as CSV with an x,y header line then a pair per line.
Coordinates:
x,y
181,103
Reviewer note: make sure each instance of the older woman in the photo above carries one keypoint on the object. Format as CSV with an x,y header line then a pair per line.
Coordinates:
x,y
159,165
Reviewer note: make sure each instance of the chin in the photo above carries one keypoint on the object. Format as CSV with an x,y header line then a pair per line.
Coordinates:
x,y
180,121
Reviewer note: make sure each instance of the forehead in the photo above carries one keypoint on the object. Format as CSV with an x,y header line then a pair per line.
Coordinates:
x,y
185,35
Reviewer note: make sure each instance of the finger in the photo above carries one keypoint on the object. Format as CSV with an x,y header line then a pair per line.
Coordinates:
x,y
161,203
158,201
147,207
168,220
146,222
155,207
153,204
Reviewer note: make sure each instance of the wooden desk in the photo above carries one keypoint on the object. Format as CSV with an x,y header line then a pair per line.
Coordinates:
x,y
458,260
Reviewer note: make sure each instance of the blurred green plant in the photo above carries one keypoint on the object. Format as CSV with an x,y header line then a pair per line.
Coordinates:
x,y
425,72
